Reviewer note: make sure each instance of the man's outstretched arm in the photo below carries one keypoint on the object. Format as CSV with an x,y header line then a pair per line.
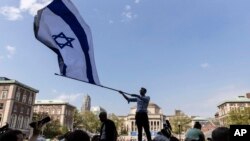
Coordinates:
x,y
121,92
127,98
144,98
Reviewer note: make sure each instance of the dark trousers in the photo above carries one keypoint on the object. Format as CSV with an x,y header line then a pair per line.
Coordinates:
x,y
141,120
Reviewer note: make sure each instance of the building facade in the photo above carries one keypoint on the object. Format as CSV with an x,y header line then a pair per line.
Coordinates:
x,y
57,110
86,103
16,103
155,116
226,106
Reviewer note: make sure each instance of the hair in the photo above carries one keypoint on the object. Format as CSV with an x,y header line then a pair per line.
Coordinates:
x,y
220,134
10,135
77,135
168,125
103,114
142,88
197,125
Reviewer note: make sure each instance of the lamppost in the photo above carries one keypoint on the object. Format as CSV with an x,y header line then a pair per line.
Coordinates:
x,y
179,126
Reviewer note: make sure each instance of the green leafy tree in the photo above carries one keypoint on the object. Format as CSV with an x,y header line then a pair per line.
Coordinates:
x,y
118,122
91,122
53,129
78,120
180,123
239,116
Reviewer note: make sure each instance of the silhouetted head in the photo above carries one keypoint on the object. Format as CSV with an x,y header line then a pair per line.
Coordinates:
x,y
197,125
12,135
168,125
77,135
103,116
95,138
143,91
220,134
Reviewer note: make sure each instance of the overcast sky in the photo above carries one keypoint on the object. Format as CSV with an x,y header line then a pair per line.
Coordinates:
x,y
189,54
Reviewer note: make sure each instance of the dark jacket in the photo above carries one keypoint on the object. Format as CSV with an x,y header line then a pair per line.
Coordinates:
x,y
110,130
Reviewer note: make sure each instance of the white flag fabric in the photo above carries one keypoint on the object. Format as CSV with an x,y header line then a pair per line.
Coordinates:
x,y
61,28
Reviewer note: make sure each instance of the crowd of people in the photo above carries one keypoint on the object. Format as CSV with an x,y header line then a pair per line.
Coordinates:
x,y
108,131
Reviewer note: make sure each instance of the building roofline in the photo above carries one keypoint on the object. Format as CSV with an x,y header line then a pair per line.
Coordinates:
x,y
12,81
52,102
239,100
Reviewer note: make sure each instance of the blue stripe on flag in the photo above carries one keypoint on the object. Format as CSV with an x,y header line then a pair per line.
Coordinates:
x,y
59,8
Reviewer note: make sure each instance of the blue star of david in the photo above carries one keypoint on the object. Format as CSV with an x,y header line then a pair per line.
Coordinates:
x,y
62,41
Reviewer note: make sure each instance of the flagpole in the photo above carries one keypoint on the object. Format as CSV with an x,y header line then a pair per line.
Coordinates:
x,y
93,84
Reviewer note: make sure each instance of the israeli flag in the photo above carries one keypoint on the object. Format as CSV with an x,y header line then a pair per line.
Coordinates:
x,y
61,28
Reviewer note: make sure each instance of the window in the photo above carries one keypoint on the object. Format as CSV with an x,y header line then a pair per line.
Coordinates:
x,y
28,121
5,87
24,98
30,99
17,96
1,106
4,95
241,104
13,121
25,123
19,122
1,117
15,108
232,104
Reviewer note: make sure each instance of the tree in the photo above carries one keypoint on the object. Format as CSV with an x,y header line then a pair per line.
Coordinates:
x,y
239,116
91,122
78,120
118,123
53,129
182,121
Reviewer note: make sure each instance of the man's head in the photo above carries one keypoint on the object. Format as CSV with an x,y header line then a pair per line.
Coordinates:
x,y
197,125
12,135
77,135
143,91
220,134
103,116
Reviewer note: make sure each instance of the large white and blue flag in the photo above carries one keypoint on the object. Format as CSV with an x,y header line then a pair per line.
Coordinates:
x,y
61,28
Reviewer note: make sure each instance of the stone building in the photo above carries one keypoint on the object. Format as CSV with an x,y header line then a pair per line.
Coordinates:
x,y
226,106
156,120
57,110
86,103
16,101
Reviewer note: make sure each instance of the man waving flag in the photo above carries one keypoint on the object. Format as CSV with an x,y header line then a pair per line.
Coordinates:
x,y
61,28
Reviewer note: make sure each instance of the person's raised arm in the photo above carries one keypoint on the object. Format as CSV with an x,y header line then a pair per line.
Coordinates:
x,y
127,98
144,98
121,92
136,95
36,131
